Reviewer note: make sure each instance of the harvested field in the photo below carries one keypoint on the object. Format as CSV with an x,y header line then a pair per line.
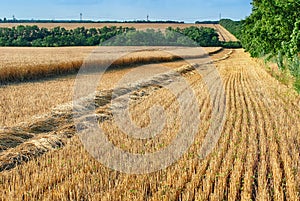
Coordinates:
x,y
22,64
224,35
256,157
21,101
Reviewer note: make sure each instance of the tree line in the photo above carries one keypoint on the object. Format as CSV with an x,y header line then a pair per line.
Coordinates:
x,y
191,36
33,36
272,27
273,31
205,37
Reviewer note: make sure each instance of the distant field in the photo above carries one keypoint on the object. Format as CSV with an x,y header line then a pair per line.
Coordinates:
x,y
224,34
140,26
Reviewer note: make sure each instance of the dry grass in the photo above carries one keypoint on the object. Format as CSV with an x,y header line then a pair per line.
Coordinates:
x,y
25,64
43,100
283,76
257,156
44,133
18,102
19,64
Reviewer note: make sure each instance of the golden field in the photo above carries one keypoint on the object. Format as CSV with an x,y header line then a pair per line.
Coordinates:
x,y
22,64
256,158
43,158
21,101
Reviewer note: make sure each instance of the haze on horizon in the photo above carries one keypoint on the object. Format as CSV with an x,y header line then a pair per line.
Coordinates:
x,y
121,10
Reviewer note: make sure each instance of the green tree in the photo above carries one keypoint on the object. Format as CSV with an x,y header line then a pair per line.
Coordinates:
x,y
273,29
270,26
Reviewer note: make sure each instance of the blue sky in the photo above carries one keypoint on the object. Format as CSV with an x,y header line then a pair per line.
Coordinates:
x,y
183,10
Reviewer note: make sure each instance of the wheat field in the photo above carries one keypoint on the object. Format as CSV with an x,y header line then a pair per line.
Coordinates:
x,y
20,101
256,158
27,64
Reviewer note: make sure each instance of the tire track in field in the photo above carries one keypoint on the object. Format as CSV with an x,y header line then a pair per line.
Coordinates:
x,y
282,178
248,193
194,184
237,175
223,175
276,171
285,113
274,163
215,162
192,188
280,138
260,185
204,115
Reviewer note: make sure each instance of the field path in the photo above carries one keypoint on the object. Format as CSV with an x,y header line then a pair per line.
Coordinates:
x,y
224,34
256,157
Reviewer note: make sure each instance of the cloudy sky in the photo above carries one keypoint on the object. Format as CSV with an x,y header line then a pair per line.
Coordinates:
x,y
183,10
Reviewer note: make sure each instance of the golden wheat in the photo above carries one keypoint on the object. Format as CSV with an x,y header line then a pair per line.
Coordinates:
x,y
21,64
20,101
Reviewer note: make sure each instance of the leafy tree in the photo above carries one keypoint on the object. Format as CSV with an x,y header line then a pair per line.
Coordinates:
x,y
273,29
185,37
270,26
58,36
201,35
234,27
